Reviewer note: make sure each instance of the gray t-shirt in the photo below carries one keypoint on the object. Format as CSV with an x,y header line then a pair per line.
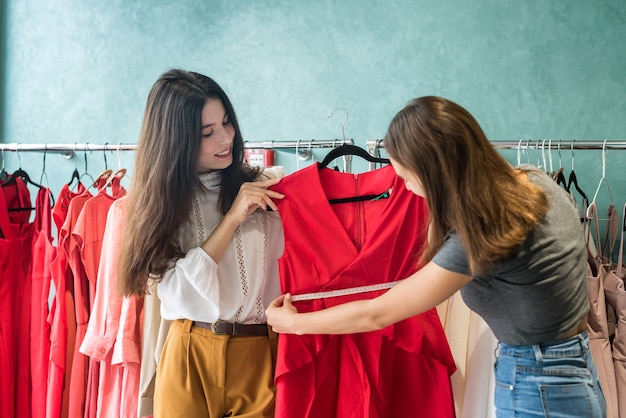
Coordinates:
x,y
539,293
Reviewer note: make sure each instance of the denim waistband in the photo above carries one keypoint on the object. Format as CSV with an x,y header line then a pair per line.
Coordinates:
x,y
574,346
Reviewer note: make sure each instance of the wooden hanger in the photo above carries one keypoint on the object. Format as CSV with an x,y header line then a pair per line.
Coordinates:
x,y
119,174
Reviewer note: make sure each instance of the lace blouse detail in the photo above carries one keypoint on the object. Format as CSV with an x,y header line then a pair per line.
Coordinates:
x,y
259,300
197,215
243,275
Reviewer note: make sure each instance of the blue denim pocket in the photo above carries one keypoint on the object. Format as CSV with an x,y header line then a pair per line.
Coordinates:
x,y
565,401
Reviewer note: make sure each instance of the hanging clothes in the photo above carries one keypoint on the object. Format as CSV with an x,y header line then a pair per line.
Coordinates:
x,y
392,372
113,332
44,252
16,240
62,317
472,343
597,270
84,246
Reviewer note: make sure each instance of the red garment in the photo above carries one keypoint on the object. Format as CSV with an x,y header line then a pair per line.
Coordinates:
x,y
43,255
15,300
76,379
58,337
62,205
396,371
62,313
113,333
87,236
15,252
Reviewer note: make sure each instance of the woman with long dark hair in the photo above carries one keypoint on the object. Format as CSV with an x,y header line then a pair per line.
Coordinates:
x,y
198,230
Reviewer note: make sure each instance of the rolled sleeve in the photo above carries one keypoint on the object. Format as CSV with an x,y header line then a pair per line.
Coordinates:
x,y
194,280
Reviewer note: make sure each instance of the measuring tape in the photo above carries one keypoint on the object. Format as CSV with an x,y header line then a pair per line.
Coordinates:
x,y
344,292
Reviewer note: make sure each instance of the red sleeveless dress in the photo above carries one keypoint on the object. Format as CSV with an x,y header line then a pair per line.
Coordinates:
x,y
401,370
20,294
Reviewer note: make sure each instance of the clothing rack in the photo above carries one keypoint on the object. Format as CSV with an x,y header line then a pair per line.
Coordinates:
x,y
531,144
69,149
303,147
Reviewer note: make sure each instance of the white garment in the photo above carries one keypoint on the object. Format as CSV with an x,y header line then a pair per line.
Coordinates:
x,y
472,344
242,285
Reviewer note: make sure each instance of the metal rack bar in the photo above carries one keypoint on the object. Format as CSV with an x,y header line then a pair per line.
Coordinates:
x,y
70,148
534,144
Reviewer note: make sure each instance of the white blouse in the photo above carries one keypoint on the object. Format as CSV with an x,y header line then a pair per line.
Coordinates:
x,y
242,285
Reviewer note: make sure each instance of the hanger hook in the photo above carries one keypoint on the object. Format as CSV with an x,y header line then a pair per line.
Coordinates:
x,y
2,159
550,155
85,156
106,163
604,159
572,149
43,168
19,157
343,132
559,148
119,161
297,159
519,152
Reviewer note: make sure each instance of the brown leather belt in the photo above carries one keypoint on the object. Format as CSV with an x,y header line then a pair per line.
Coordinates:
x,y
234,329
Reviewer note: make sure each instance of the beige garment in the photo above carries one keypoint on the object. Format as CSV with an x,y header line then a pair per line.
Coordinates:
x,y
472,344
597,320
153,337
616,297
619,351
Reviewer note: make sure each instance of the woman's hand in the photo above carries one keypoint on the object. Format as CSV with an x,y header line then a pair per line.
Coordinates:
x,y
251,196
281,315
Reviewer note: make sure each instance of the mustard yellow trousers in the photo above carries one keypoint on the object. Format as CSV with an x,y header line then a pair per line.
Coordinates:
x,y
204,375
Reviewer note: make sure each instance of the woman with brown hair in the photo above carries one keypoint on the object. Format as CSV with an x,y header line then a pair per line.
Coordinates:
x,y
509,239
197,226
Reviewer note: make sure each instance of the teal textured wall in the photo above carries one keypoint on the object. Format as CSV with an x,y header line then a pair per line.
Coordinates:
x,y
80,71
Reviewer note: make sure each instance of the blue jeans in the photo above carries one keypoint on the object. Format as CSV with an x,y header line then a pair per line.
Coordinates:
x,y
557,380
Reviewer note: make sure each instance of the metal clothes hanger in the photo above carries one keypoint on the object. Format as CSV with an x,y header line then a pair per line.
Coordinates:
x,y
86,173
120,172
348,150
4,176
603,178
558,175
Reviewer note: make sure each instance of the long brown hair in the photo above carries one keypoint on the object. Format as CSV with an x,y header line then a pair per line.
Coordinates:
x,y
469,187
165,175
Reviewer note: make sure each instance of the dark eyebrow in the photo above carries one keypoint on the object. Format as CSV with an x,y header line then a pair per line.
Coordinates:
x,y
212,124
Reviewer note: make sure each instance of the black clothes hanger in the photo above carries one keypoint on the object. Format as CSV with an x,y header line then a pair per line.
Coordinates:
x,y
573,180
75,176
560,179
348,149
370,197
21,174
24,176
